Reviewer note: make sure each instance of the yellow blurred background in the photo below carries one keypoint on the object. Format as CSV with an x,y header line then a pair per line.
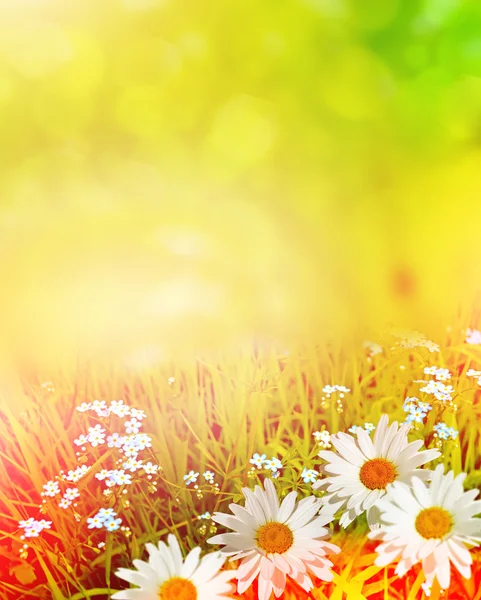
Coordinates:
x,y
192,173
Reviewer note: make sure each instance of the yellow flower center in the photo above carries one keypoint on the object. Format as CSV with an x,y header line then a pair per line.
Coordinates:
x,y
177,588
434,522
274,538
375,474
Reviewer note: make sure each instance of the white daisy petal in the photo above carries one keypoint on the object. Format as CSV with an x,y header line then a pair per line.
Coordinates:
x,y
166,564
361,470
287,540
429,523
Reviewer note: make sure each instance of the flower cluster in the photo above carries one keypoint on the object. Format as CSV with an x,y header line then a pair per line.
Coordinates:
x,y
369,427
439,390
69,496
414,339
417,410
331,389
76,474
105,518
272,464
439,373
444,432
323,438
407,508
33,528
121,473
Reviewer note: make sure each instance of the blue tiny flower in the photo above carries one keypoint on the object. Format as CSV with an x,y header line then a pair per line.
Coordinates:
x,y
309,475
95,522
112,524
258,460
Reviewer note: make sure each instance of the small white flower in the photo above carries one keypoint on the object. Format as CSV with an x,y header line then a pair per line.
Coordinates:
x,y
81,440
209,476
96,439
51,488
26,524
103,474
473,336
132,426
64,503
115,440
439,390
103,413
121,411
130,451
135,413
132,465
273,464
106,513
117,407
171,380
95,523
309,475
258,460
440,373
191,477
473,373
79,472
99,405
84,407
121,478
71,493
150,468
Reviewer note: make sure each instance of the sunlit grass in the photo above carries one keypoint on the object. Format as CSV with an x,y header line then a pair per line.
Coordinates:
x,y
214,415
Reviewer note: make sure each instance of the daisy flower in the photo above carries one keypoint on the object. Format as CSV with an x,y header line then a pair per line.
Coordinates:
x,y
275,542
166,575
429,523
361,469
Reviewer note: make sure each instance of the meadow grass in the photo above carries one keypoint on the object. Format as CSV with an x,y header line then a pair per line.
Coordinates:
x,y
218,411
